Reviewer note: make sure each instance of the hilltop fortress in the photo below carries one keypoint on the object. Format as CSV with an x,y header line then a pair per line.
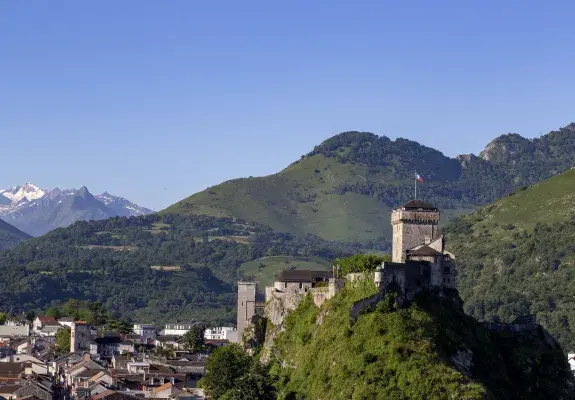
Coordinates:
x,y
419,262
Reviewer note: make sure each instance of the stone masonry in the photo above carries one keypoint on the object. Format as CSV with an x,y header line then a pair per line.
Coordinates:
x,y
246,305
412,227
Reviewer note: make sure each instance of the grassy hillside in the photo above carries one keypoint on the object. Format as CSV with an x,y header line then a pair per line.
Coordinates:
x,y
10,236
298,200
427,351
346,187
517,256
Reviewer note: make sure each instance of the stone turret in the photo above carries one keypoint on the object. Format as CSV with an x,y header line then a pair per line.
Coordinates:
x,y
246,305
414,223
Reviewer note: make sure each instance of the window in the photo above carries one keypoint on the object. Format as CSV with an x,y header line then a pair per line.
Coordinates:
x,y
300,285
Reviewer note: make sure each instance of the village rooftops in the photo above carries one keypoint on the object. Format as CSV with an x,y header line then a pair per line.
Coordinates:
x,y
70,357
48,320
165,387
418,205
10,388
303,276
10,369
98,376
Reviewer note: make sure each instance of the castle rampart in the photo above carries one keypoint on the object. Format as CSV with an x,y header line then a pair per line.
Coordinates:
x,y
424,217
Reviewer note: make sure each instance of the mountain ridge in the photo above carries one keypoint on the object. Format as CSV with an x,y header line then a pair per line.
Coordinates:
x,y
516,257
346,186
10,236
37,211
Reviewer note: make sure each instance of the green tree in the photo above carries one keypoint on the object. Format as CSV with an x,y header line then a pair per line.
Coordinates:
x,y
63,341
167,351
31,315
233,375
360,263
194,339
115,324
53,312
3,317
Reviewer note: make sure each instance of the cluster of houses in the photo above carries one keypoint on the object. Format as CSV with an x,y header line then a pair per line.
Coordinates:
x,y
102,365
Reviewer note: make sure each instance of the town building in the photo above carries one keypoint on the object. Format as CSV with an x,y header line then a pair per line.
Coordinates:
x,y
178,328
221,333
44,321
145,331
172,341
80,337
14,330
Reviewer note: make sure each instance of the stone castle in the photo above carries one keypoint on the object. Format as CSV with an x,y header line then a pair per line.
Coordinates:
x,y
419,262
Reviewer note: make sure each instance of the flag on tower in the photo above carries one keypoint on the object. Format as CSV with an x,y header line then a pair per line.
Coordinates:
x,y
419,178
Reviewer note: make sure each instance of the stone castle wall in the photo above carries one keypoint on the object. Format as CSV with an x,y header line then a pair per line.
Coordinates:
x,y
407,235
246,305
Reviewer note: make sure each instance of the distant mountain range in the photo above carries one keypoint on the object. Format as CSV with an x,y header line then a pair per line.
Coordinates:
x,y
36,211
345,187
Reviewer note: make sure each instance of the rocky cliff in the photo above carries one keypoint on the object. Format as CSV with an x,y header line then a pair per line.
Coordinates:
x,y
430,349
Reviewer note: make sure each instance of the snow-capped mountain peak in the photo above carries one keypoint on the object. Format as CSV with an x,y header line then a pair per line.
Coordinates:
x,y
37,211
122,206
17,193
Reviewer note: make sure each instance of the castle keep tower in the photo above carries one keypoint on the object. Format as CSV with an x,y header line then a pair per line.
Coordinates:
x,y
246,305
414,223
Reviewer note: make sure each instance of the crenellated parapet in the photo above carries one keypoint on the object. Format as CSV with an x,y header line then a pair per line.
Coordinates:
x,y
414,217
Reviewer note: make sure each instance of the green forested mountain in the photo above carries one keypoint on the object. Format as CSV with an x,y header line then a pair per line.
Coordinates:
x,y
430,350
10,236
517,256
153,268
345,188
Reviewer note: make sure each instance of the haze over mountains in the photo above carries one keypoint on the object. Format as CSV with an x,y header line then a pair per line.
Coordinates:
x,y
36,211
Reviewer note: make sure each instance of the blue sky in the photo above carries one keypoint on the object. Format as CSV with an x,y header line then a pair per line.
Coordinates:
x,y
156,100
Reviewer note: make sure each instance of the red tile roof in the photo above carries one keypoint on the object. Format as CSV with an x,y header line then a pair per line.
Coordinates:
x,y
162,388
47,319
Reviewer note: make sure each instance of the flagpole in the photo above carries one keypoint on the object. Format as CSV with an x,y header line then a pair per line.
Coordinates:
x,y
415,185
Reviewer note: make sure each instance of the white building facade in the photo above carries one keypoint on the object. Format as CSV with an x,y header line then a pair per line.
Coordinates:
x,y
146,331
221,333
178,328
